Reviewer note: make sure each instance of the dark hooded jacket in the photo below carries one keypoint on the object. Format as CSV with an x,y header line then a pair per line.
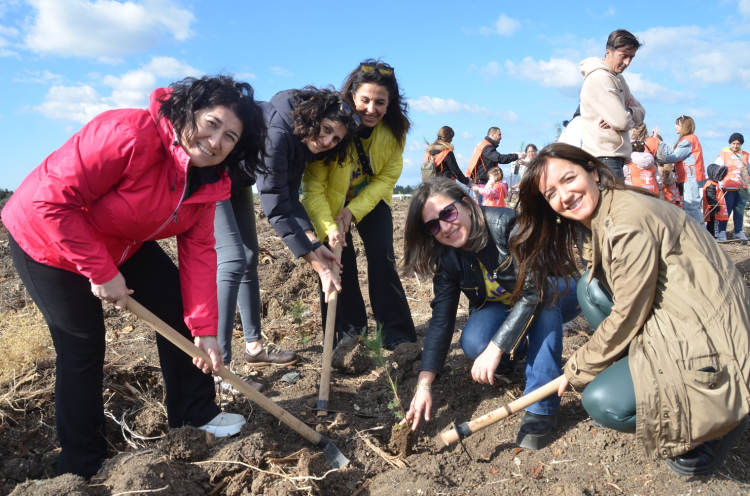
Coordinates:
x,y
492,158
279,188
716,173
449,166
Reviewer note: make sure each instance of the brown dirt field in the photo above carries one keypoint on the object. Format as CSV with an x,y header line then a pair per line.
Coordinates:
x,y
269,458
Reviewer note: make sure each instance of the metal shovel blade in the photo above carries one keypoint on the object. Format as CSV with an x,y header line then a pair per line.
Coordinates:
x,y
332,453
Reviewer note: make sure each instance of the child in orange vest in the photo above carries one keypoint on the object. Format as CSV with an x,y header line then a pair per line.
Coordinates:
x,y
714,205
495,191
642,171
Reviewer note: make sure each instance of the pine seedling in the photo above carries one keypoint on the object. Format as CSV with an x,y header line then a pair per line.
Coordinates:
x,y
374,350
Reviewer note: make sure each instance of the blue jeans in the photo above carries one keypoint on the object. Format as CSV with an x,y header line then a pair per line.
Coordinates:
x,y
735,205
692,202
615,164
237,268
544,357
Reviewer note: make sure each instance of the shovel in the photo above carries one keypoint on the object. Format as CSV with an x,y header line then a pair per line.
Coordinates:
x,y
456,432
330,451
325,376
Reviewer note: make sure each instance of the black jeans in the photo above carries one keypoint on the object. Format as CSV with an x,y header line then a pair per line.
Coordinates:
x,y
615,164
76,321
389,306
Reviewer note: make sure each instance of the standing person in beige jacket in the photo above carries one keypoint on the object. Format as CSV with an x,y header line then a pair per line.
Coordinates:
x,y
670,358
608,109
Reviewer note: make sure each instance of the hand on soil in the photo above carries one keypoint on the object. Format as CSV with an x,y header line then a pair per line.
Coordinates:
x,y
422,402
483,370
114,291
210,345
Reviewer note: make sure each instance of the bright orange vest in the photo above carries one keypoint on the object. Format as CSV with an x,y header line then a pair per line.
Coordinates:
x,y
437,159
735,163
495,202
476,158
644,178
723,213
672,195
697,152
652,145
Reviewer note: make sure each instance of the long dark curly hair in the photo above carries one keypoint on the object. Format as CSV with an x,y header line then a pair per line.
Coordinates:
x,y
543,247
311,106
192,94
397,114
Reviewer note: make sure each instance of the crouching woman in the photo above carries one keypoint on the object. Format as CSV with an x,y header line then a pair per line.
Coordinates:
x,y
671,361
464,247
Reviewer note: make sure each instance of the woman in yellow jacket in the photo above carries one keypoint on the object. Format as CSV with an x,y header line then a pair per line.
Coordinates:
x,y
359,191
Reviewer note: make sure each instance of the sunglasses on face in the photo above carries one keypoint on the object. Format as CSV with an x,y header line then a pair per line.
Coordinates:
x,y
447,214
383,69
348,112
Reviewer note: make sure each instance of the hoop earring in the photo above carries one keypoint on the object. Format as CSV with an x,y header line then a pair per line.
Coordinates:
x,y
558,221
601,187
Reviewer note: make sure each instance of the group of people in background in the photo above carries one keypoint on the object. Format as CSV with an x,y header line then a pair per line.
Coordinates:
x,y
669,359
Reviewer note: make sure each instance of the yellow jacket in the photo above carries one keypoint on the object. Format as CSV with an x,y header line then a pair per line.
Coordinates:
x,y
324,186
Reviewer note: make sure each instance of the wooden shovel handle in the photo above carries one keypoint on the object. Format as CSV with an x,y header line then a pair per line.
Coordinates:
x,y
185,345
452,435
325,376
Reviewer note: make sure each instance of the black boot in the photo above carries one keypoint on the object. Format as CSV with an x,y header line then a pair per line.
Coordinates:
x,y
709,456
536,431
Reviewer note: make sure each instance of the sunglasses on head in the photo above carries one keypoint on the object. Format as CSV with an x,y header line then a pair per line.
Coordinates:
x,y
447,214
383,69
348,112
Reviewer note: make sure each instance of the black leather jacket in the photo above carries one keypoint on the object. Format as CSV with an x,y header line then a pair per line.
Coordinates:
x,y
460,272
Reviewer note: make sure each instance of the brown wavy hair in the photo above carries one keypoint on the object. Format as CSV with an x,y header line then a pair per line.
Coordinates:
x,y
311,106
541,246
397,113
687,126
422,252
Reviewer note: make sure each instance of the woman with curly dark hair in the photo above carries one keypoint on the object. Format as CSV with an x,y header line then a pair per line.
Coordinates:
x,y
83,228
303,125
359,189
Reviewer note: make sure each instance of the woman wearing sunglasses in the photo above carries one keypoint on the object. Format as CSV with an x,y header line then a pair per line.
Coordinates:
x,y
303,125
464,247
359,190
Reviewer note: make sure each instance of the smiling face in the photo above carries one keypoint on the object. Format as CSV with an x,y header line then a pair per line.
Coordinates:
x,y
454,233
371,101
735,146
619,60
530,153
217,131
571,191
330,134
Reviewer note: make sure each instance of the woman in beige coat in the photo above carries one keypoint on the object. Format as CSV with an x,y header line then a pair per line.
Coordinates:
x,y
670,362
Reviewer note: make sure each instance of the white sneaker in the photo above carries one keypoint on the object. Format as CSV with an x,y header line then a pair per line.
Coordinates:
x,y
741,236
722,236
225,424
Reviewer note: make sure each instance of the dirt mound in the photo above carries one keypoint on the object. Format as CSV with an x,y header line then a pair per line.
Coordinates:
x,y
269,458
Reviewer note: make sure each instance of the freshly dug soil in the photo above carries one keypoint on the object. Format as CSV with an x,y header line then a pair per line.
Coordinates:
x,y
269,458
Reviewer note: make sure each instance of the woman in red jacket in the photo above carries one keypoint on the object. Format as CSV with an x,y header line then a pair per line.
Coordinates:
x,y
83,228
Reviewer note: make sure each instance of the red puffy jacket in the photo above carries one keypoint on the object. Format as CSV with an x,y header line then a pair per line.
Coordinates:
x,y
116,183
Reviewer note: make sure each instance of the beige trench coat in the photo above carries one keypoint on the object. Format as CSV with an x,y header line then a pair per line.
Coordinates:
x,y
680,305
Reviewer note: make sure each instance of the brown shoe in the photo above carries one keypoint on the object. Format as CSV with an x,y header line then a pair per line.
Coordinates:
x,y
264,358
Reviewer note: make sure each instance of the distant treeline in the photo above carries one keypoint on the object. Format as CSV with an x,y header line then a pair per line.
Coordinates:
x,y
4,196
403,190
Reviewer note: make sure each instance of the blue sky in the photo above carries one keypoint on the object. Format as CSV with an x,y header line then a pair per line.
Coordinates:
x,y
469,64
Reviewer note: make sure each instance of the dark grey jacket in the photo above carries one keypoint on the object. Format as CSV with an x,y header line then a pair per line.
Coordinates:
x,y
279,188
459,272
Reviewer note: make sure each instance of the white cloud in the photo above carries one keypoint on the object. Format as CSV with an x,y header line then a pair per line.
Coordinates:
x,y
466,135
610,11
82,103
555,73
645,90
43,77
5,34
245,76
407,162
488,72
504,25
104,28
744,8
415,146
280,71
440,106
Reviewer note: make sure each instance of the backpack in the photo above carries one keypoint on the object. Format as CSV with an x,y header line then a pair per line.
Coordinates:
x,y
428,168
